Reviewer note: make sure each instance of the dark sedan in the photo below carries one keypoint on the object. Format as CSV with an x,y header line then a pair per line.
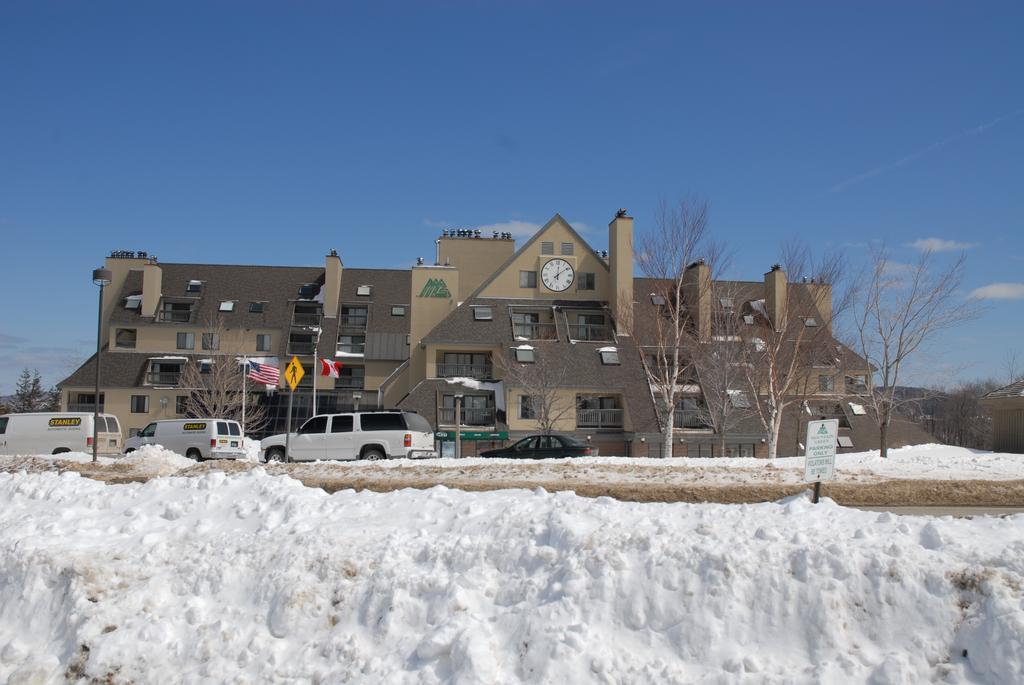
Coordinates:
x,y
542,447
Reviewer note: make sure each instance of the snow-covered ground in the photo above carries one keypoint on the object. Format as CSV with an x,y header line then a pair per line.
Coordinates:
x,y
252,578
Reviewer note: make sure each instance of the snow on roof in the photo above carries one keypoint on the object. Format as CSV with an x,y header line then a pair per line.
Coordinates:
x,y
607,349
356,355
168,359
525,347
468,382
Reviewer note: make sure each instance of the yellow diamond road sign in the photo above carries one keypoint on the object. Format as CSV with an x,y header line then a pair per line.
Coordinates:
x,y
294,373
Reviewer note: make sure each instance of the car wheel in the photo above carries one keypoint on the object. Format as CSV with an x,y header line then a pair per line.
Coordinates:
x,y
372,454
129,450
274,454
61,450
194,454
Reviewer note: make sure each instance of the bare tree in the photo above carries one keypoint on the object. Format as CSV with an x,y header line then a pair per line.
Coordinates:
x,y
720,365
792,333
543,380
1014,369
215,383
899,308
679,256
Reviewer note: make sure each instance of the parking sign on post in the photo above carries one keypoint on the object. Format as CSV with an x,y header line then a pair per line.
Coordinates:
x,y
820,452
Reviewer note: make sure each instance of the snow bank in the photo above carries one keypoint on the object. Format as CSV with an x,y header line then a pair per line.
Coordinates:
x,y
252,578
157,460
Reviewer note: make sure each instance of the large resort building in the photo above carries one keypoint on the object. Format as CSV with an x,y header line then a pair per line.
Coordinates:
x,y
455,333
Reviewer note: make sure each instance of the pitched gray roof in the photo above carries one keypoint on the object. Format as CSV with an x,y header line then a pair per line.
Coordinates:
x,y
118,370
1011,390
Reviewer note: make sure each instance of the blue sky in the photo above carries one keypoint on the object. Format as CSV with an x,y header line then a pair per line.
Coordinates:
x,y
268,133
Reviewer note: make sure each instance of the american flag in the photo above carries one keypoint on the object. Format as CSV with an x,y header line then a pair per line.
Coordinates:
x,y
263,373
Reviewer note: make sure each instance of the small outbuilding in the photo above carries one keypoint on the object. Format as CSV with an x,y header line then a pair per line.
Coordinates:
x,y
1007,407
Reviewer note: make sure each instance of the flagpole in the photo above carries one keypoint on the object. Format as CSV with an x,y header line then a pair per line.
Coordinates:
x,y
245,375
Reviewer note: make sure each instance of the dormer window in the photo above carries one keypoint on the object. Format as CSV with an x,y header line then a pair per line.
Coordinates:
x,y
483,313
227,306
525,354
657,300
257,307
609,356
364,290
194,287
133,302
810,322
748,319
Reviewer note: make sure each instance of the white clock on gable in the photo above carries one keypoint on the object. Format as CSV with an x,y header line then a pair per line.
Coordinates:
x,y
557,275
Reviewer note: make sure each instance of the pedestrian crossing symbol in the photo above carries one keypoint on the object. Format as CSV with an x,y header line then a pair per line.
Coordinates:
x,y
294,373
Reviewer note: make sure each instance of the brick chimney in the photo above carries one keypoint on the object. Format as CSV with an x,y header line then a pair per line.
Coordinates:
x,y
620,266
775,286
697,296
332,284
152,284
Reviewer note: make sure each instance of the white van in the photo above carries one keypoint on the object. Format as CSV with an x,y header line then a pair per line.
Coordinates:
x,y
57,433
356,435
197,439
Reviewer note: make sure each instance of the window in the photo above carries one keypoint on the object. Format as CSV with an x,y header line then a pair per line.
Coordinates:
x,y
222,428
726,302
194,287
352,315
227,306
140,404
657,300
524,355
133,302
211,341
186,341
341,424
364,290
257,307
398,310
263,342
547,248
125,337
179,312
527,279
3,425
351,377
845,441
748,319
586,281
148,432
205,366
527,408
567,248
317,424
483,313
810,322
609,355
381,422
739,399
351,344
180,404
234,428
826,383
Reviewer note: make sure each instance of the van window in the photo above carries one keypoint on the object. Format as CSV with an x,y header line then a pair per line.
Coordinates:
x,y
234,428
3,425
381,422
317,424
222,428
148,431
341,424
415,422
103,425
113,425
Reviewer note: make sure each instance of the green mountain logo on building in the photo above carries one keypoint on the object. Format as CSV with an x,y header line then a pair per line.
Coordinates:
x,y
435,287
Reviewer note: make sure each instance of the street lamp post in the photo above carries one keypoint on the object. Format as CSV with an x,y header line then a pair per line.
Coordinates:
x,y
100,277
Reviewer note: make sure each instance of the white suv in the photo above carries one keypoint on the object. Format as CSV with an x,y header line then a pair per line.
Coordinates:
x,y
356,435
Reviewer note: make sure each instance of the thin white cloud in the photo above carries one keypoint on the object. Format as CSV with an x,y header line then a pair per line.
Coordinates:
x,y
914,156
999,291
940,245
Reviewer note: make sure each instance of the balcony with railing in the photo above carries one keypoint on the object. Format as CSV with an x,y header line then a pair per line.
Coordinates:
x,y
599,418
477,371
165,378
591,332
469,416
535,331
349,382
351,348
690,419
306,319
176,315
301,347
84,406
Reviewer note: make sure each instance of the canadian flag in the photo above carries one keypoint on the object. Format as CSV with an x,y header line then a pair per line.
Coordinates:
x,y
330,368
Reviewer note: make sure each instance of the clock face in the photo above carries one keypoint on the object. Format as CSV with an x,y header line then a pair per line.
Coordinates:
x,y
557,275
